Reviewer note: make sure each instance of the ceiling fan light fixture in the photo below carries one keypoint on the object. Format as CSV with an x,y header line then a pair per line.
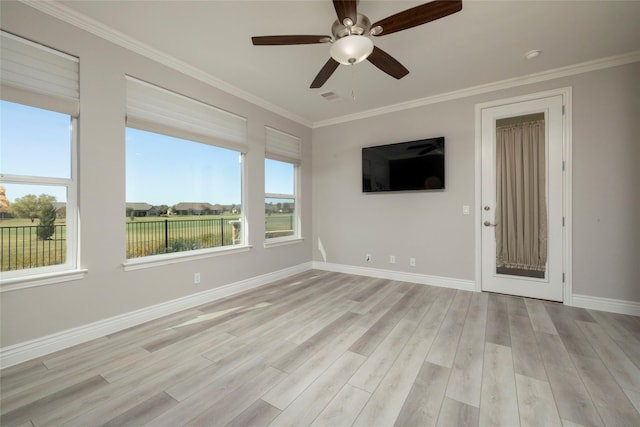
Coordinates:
x,y
351,49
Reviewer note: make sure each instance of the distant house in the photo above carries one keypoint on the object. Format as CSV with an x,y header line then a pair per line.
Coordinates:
x,y
197,208
138,209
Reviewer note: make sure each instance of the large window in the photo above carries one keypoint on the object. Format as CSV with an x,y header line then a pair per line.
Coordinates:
x,y
184,165
282,216
38,118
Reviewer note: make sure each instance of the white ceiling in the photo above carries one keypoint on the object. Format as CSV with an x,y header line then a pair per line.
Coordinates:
x,y
484,43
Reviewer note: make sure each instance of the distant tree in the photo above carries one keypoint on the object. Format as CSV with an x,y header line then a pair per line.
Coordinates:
x,y
5,205
47,222
162,209
30,206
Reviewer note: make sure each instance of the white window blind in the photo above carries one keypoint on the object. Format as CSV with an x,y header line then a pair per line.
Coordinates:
x,y
36,75
159,110
282,146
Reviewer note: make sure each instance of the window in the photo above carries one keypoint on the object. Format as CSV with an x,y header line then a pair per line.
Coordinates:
x,y
282,218
184,166
38,118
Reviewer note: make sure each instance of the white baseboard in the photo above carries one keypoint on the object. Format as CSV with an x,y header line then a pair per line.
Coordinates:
x,y
423,279
28,350
606,304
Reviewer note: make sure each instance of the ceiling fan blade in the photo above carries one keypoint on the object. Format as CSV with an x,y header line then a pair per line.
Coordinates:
x,y
346,9
387,63
324,73
418,15
287,40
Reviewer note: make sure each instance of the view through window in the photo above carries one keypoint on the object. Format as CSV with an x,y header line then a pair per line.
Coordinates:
x,y
181,195
280,199
35,185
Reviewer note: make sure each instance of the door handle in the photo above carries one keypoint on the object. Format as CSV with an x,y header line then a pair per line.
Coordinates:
x,y
488,224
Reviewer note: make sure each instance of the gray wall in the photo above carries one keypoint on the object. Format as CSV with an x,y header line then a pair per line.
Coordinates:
x,y
430,226
108,290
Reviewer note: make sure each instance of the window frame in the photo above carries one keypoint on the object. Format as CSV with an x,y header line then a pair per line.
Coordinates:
x,y
227,131
297,222
286,148
71,222
46,79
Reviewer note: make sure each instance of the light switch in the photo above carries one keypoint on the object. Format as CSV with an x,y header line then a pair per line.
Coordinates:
x,y
465,210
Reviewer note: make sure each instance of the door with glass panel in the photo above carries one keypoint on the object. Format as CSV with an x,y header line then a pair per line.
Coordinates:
x,y
522,197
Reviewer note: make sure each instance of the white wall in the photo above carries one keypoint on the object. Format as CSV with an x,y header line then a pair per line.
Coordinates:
x,y
430,226
108,290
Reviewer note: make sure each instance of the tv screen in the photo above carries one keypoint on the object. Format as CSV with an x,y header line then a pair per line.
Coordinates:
x,y
405,166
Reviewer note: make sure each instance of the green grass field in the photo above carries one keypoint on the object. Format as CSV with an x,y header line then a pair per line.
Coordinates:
x,y
20,248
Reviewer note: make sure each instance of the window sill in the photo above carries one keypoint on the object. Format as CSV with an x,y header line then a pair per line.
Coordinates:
x,y
44,279
166,259
271,243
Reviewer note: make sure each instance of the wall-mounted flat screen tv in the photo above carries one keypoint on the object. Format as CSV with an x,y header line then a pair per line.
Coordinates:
x,y
405,166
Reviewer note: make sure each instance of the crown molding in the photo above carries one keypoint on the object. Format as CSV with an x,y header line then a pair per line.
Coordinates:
x,y
66,14
79,20
584,67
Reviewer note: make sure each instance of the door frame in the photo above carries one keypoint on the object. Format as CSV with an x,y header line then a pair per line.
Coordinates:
x,y
566,95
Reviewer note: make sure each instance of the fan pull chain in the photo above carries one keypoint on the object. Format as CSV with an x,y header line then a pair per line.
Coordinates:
x,y
353,79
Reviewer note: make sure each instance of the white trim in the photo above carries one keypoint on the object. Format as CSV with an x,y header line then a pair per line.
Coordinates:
x,y
175,257
423,279
630,308
28,350
103,31
34,280
282,241
583,67
567,96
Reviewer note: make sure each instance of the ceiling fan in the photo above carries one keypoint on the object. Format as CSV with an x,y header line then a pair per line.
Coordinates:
x,y
351,41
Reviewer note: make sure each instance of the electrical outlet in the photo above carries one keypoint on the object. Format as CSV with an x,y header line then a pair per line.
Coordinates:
x,y
392,259
368,257
196,278
412,262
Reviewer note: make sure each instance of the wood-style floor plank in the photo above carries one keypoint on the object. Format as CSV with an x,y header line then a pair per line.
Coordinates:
x,y
497,330
257,415
454,413
376,366
422,406
535,403
610,400
333,349
446,343
311,402
344,408
626,373
498,400
386,402
288,390
466,374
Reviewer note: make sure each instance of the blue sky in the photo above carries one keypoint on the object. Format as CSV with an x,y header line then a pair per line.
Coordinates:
x,y
160,169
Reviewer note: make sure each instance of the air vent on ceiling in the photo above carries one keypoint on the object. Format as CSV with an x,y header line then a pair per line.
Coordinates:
x,y
331,96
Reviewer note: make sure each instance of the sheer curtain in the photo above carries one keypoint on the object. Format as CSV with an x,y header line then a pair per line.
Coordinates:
x,y
521,211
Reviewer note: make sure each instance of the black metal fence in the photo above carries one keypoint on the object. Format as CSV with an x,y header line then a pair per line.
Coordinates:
x,y
21,247
165,236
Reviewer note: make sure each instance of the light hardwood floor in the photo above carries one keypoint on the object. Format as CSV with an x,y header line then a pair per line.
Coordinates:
x,y
329,349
